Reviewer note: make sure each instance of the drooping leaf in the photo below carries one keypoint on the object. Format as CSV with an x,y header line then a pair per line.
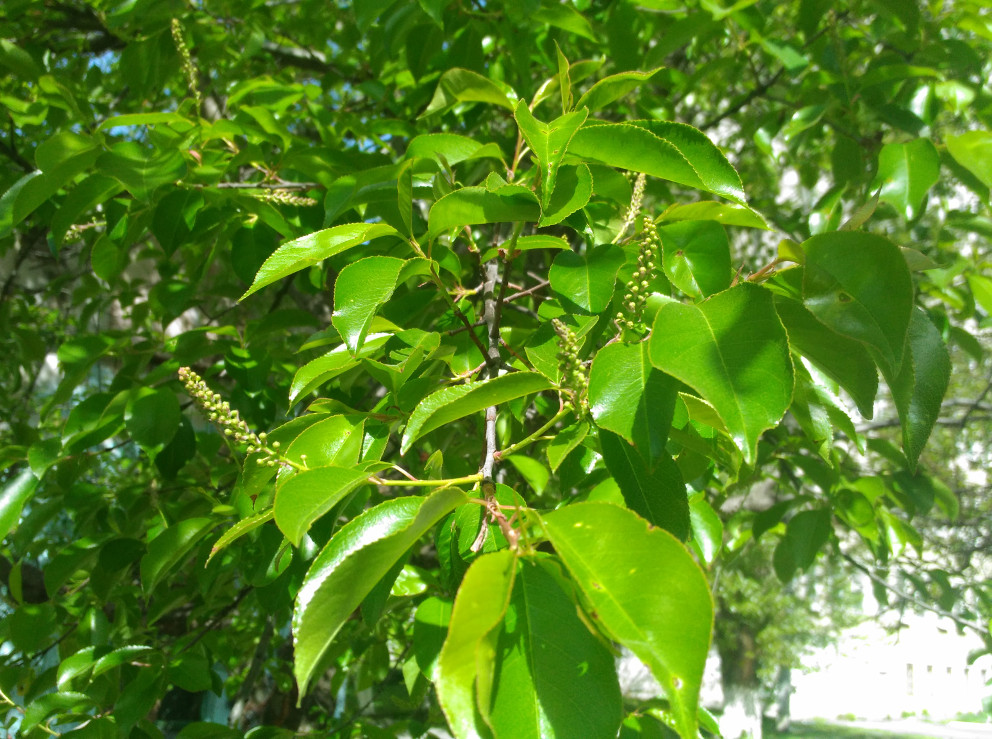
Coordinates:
x,y
170,548
153,417
671,151
318,371
242,527
806,533
919,386
858,285
645,590
905,173
733,350
586,281
458,401
360,290
468,652
353,561
843,360
15,493
466,86
656,492
552,677
564,442
727,214
307,250
629,397
572,192
470,206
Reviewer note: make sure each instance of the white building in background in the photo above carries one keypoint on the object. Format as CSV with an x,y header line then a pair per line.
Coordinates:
x,y
921,670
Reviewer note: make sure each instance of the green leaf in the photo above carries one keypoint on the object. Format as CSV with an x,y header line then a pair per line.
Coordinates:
x,y
15,493
585,282
919,386
805,535
671,151
360,290
656,492
973,151
63,703
468,652
242,527
451,403
614,87
337,361
170,548
18,61
843,360
310,494
449,148
465,86
471,206
549,142
143,119
733,350
138,170
351,564
564,442
566,18
572,192
696,257
905,173
430,628
152,418
89,193
629,397
726,214
332,441
707,529
858,284
645,590
307,250
553,678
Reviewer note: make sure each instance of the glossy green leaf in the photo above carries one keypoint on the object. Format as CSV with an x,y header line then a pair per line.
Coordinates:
x,y
696,257
63,703
629,397
586,281
465,86
470,206
671,151
973,151
858,284
844,360
310,494
572,192
707,529
733,350
656,492
347,569
919,386
360,290
318,371
905,173
170,548
469,650
549,142
332,441
726,214
451,403
613,87
307,250
242,527
529,243
448,147
553,678
15,493
645,590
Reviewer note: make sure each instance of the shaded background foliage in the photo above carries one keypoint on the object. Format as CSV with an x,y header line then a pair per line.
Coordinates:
x,y
126,243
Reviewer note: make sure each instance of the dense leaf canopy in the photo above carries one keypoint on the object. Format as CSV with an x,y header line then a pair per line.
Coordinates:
x,y
377,366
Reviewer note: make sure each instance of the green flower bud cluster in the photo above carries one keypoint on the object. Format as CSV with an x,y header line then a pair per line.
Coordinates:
x,y
636,200
189,69
632,307
574,377
219,411
285,197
